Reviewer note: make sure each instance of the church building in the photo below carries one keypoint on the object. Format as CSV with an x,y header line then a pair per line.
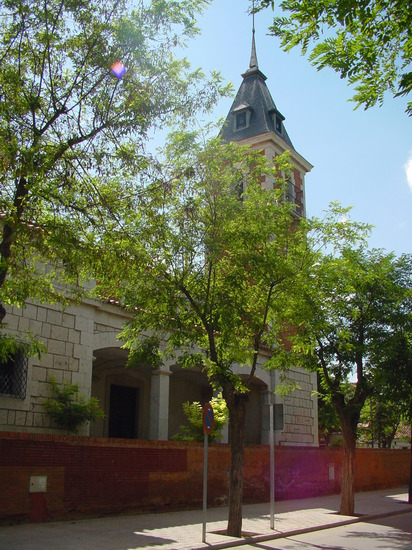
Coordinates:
x,y
142,403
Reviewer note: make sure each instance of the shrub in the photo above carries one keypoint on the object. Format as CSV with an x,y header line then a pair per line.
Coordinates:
x,y
194,414
69,409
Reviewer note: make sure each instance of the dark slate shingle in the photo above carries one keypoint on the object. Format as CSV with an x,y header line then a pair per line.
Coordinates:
x,y
254,96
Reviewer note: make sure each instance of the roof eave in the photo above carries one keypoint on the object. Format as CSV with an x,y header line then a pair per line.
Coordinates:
x,y
272,137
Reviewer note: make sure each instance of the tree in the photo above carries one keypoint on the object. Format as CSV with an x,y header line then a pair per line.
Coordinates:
x,y
73,133
208,256
366,41
351,310
395,377
380,420
328,420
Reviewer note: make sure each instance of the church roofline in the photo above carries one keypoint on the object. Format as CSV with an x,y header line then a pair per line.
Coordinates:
x,y
273,138
253,112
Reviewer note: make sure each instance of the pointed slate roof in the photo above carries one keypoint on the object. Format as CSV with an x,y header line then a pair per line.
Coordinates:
x,y
254,98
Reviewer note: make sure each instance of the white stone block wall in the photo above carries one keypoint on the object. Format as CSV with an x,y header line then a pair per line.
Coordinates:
x,y
69,337
300,411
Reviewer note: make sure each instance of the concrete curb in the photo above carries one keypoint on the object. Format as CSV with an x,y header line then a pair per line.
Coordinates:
x,y
263,538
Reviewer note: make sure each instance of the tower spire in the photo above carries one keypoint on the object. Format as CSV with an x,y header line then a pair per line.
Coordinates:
x,y
253,58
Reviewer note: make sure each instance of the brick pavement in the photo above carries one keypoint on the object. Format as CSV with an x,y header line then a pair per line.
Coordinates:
x,y
183,530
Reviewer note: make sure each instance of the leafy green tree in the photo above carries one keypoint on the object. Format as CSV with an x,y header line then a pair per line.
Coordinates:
x,y
352,308
194,413
366,41
395,378
379,421
69,409
207,259
73,133
328,420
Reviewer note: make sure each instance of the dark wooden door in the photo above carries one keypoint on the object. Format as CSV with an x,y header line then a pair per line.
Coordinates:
x,y
123,412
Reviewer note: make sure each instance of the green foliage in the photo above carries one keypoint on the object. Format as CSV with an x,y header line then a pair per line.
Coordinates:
x,y
69,409
351,311
336,443
367,42
394,380
207,265
379,422
145,352
10,346
207,258
328,420
286,386
73,135
194,414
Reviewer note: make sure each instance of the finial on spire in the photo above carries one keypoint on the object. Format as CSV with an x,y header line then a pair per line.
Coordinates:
x,y
253,58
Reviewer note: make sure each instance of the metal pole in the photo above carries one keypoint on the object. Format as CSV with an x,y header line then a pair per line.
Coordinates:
x,y
272,467
204,487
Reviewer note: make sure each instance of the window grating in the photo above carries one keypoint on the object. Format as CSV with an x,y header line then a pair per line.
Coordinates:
x,y
13,375
294,195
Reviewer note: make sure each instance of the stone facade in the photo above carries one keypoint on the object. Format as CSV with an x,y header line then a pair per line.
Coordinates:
x,y
69,337
83,348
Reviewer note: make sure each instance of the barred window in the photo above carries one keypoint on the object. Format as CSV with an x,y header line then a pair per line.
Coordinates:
x,y
13,375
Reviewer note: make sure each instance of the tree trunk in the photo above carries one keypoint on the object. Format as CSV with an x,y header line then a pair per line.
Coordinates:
x,y
236,404
347,503
7,236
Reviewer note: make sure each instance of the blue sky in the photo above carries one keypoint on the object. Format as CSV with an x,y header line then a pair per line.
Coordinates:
x,y
359,157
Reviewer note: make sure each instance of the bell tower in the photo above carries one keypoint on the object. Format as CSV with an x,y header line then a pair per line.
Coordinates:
x,y
255,120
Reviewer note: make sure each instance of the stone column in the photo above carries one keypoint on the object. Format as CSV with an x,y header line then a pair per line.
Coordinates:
x,y
159,404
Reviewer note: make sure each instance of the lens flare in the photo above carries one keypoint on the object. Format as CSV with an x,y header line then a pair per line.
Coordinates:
x,y
118,69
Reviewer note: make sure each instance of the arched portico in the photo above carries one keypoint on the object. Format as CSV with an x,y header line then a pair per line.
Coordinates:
x,y
148,404
186,385
123,394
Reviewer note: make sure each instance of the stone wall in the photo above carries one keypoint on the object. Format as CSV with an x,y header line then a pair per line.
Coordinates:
x,y
299,425
69,337
82,348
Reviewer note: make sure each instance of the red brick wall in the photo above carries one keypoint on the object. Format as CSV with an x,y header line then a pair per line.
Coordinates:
x,y
95,476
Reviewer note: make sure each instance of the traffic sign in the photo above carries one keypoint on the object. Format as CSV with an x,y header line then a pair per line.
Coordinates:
x,y
208,418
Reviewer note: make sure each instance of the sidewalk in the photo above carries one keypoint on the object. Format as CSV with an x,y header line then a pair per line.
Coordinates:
x,y
183,530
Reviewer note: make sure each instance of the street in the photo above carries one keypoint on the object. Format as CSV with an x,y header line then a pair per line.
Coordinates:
x,y
390,533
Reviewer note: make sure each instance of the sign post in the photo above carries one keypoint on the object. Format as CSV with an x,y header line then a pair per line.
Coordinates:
x,y
272,467
208,423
